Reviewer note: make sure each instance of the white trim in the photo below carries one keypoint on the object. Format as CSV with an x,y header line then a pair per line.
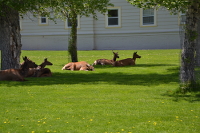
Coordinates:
x,y
101,33
119,18
150,25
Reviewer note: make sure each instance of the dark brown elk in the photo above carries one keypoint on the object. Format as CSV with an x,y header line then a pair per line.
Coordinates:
x,y
17,74
39,70
42,72
81,66
31,63
128,61
106,61
44,63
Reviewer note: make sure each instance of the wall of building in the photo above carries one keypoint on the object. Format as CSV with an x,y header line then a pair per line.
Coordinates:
x,y
93,35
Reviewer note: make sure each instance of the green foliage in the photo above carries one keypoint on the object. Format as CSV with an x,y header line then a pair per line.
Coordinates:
x,y
23,6
109,99
174,6
57,8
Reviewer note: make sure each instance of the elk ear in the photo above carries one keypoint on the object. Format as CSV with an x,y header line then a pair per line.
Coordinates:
x,y
87,65
24,58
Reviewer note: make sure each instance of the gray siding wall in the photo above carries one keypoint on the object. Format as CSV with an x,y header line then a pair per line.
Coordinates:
x,y
94,35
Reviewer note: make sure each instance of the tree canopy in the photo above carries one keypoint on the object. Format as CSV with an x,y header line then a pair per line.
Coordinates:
x,y
178,5
57,8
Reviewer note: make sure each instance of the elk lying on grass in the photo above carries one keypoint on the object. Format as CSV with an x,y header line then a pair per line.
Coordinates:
x,y
82,66
128,61
106,61
17,74
31,63
39,70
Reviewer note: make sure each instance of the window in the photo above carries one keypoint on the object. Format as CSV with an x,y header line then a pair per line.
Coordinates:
x,y
43,20
113,17
68,24
181,18
147,17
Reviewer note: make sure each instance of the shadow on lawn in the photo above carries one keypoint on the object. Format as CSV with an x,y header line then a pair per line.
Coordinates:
x,y
90,77
138,65
190,96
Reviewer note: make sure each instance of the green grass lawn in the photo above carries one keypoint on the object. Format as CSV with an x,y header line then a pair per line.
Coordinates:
x,y
132,99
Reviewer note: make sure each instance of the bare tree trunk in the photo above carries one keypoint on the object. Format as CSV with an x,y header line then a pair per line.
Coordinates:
x,y
10,38
198,40
187,75
72,48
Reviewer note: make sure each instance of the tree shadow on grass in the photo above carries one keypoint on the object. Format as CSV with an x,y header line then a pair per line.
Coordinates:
x,y
138,65
90,77
190,97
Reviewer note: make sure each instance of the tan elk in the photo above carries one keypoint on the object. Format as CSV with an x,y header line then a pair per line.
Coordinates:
x,y
106,61
17,74
128,61
81,66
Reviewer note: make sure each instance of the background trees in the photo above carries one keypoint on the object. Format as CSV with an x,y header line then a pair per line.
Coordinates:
x,y
189,45
10,10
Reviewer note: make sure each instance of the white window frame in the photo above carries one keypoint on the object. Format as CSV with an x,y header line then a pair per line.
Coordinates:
x,y
78,23
40,21
180,22
148,25
119,18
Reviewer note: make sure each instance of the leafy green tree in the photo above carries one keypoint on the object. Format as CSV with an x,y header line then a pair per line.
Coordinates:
x,y
11,10
10,38
189,45
71,9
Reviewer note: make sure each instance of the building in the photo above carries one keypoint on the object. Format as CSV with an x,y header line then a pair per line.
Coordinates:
x,y
126,27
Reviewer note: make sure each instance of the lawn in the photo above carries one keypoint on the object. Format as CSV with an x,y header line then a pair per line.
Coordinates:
x,y
132,99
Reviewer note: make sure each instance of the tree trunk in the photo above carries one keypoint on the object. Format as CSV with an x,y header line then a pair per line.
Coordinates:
x,y
187,75
72,48
198,40
10,38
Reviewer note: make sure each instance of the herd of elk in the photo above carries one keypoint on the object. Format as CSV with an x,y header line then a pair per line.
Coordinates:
x,y
17,74
39,70
128,61
124,62
106,61
81,66
30,69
